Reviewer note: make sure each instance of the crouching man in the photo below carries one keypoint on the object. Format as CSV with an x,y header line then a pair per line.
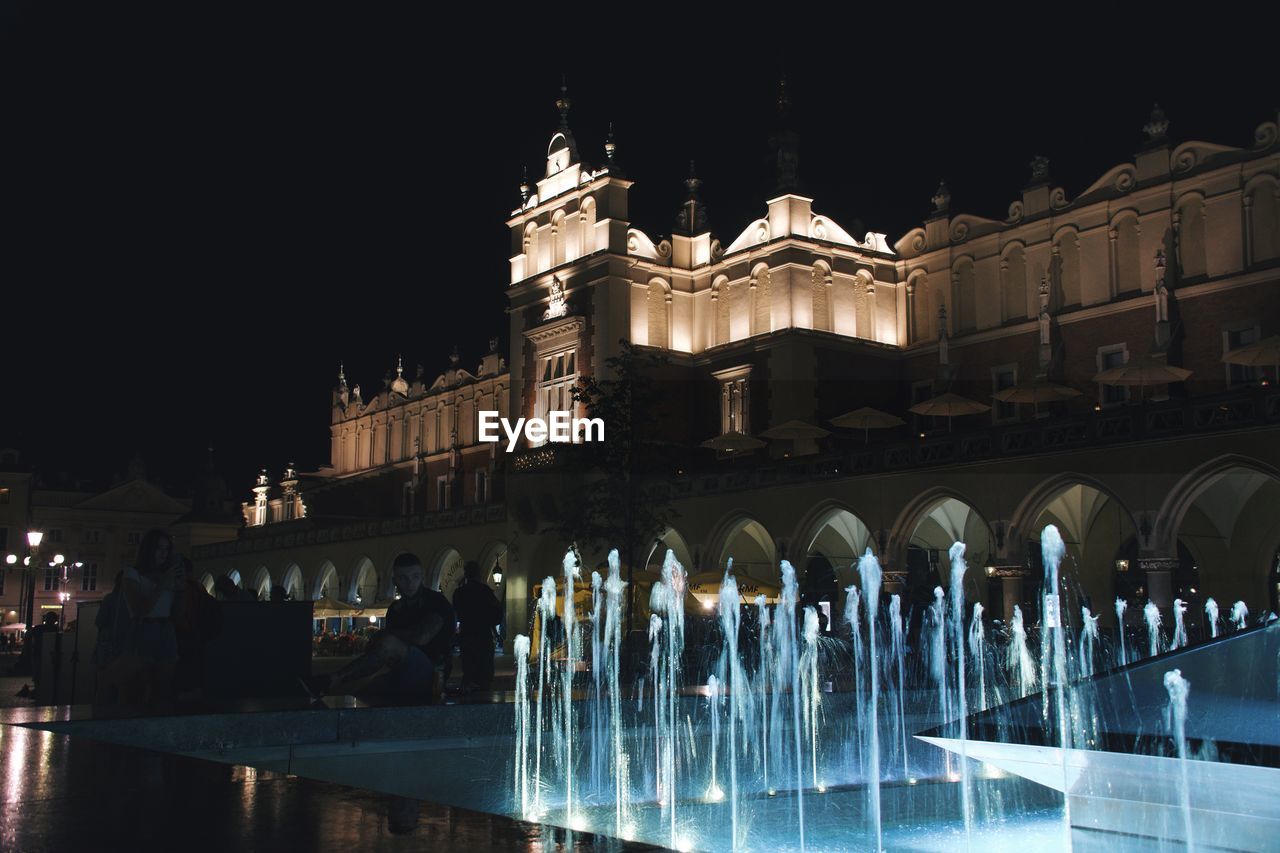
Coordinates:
x,y
416,642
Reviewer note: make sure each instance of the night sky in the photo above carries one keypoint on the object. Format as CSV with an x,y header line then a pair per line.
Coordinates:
x,y
205,213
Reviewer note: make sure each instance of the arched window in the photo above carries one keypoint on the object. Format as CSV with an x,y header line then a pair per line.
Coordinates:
x,y
1128,257
587,226
964,296
864,295
1264,222
531,262
720,303
1190,230
1013,285
659,328
1064,272
820,292
762,302
557,239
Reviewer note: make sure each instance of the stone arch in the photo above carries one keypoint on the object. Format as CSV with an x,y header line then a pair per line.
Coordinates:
x,y
820,285
1013,282
943,508
671,539
1097,527
532,262
558,237
235,576
206,581
1262,198
920,322
1190,215
761,297
445,573
587,226
1220,516
864,308
291,580
362,585
658,305
1064,269
260,585
1127,274
837,534
749,542
326,581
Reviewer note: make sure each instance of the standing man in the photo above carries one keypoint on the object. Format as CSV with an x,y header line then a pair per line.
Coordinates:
x,y
418,636
478,612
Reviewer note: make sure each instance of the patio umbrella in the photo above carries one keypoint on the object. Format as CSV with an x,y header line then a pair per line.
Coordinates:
x,y
326,608
1143,372
733,442
867,419
949,406
1035,392
1261,354
378,608
794,430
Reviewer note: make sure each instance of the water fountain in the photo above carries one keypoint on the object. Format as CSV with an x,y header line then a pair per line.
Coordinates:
x,y
740,744
1151,615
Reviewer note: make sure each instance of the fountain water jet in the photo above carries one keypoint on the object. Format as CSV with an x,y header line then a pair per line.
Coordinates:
x,y
1177,719
958,567
1019,658
869,569
1211,616
1121,607
1151,614
1179,626
1239,615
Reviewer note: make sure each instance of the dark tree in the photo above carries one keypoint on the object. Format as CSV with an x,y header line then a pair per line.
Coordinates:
x,y
621,505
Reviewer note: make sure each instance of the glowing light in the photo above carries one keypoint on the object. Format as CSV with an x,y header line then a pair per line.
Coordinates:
x,y
34,538
628,832
953,777
773,792
822,789
913,780
714,794
58,559
11,559
579,825
684,845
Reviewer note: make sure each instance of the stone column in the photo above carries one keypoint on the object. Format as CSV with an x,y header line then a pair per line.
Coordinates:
x,y
1159,579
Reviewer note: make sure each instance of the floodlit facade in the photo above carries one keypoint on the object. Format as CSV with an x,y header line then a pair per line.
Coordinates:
x,y
1164,488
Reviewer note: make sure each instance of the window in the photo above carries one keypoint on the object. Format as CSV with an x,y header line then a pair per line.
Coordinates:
x,y
735,399
55,535
50,578
482,486
557,374
89,577
4,538
1002,377
442,492
1109,357
93,537
1239,374
4,496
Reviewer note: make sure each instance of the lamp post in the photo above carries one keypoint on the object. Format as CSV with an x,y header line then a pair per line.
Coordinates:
x,y
34,538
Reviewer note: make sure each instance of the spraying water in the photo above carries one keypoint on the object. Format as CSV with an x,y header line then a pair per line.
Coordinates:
x,y
810,694
1176,714
735,686
572,653
714,792
938,651
1053,646
521,648
1020,662
613,590
977,650
1239,615
1121,607
1151,614
958,567
898,649
766,667
852,616
1211,616
869,569
599,752
1179,626
787,675
1088,637
546,615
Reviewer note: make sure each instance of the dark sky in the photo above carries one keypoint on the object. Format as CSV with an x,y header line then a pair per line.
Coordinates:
x,y
205,212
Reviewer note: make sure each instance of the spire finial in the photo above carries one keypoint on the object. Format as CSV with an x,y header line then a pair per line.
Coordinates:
x,y
1157,125
399,366
693,182
563,103
610,146
454,357
942,198
784,99
524,184
342,375
1039,169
